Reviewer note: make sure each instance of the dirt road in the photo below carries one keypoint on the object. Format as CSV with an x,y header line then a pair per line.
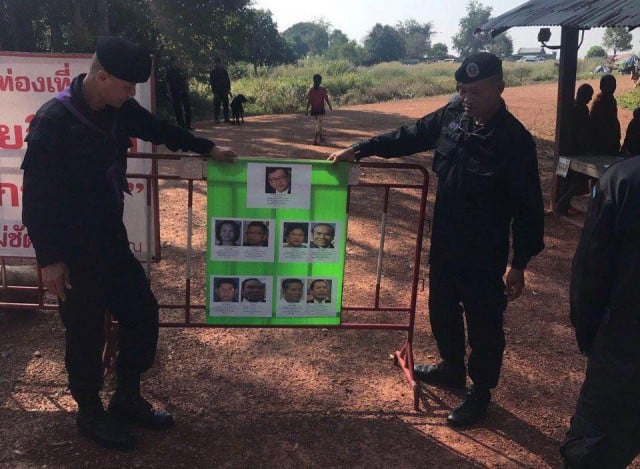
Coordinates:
x,y
314,398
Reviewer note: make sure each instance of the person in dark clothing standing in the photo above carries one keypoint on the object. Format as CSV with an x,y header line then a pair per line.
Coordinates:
x,y
221,88
604,119
581,143
631,146
178,86
605,311
488,185
73,202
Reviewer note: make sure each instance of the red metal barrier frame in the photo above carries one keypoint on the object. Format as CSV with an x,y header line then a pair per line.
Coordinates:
x,y
402,358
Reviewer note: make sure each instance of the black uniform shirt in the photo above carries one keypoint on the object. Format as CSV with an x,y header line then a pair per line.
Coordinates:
x,y
487,182
605,273
74,174
219,81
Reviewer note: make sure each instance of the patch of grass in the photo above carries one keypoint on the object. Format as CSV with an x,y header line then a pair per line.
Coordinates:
x,y
630,100
283,89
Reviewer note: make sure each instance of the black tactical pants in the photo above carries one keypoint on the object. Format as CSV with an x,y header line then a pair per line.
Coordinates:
x,y
218,99
480,297
605,427
182,109
116,283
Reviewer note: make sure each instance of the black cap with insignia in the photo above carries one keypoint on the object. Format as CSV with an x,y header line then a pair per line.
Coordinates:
x,y
123,59
478,67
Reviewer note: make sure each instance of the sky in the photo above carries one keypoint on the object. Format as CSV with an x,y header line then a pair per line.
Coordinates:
x,y
355,18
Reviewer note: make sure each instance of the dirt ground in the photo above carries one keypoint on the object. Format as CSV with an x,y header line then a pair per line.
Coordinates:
x,y
316,397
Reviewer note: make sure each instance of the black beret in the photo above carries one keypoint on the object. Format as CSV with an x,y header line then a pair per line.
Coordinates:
x,y
123,59
478,67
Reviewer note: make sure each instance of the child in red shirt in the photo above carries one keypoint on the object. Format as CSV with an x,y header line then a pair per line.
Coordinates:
x,y
316,97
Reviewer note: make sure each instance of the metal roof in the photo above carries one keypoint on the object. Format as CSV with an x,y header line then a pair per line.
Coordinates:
x,y
580,14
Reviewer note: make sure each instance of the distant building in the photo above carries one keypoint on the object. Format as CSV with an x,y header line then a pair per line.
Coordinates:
x,y
535,51
532,53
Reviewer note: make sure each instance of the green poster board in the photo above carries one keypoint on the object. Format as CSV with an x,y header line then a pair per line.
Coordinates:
x,y
276,237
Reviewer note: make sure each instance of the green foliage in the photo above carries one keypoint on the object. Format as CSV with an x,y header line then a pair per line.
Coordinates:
x,y
501,45
596,51
417,38
439,51
308,38
630,100
617,39
384,44
466,42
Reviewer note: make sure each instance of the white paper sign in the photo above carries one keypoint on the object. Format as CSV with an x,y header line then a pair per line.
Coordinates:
x,y
27,81
563,166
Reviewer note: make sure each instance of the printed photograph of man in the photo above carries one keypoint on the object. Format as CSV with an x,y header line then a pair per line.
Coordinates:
x,y
226,290
278,180
256,233
319,291
253,291
322,235
292,290
295,235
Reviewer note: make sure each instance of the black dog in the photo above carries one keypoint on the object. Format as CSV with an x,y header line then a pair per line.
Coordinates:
x,y
237,110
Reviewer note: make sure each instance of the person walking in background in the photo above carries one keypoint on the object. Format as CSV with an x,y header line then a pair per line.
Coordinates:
x,y
178,87
604,119
221,89
605,312
631,146
316,97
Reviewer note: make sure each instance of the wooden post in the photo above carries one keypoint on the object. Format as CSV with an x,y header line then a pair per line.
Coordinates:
x,y
566,92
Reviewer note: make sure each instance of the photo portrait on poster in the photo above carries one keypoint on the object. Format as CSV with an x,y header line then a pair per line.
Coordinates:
x,y
291,299
324,236
278,186
258,240
319,291
246,240
224,295
226,238
253,293
320,297
294,242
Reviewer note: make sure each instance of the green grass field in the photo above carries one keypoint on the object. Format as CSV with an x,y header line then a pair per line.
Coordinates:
x,y
282,89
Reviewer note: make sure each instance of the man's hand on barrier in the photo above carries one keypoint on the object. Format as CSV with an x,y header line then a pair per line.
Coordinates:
x,y
56,279
348,154
224,154
514,284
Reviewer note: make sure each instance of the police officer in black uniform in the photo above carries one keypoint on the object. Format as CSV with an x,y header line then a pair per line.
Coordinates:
x,y
488,184
73,201
221,89
179,93
605,311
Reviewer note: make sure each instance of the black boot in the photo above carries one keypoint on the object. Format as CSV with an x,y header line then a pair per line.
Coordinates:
x,y
94,423
471,410
136,410
442,375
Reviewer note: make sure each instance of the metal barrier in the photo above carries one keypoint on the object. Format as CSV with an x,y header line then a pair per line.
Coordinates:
x,y
192,169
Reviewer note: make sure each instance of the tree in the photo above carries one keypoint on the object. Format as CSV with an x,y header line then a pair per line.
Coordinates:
x,y
337,38
617,39
467,42
384,44
439,51
501,45
264,45
417,38
596,51
308,38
